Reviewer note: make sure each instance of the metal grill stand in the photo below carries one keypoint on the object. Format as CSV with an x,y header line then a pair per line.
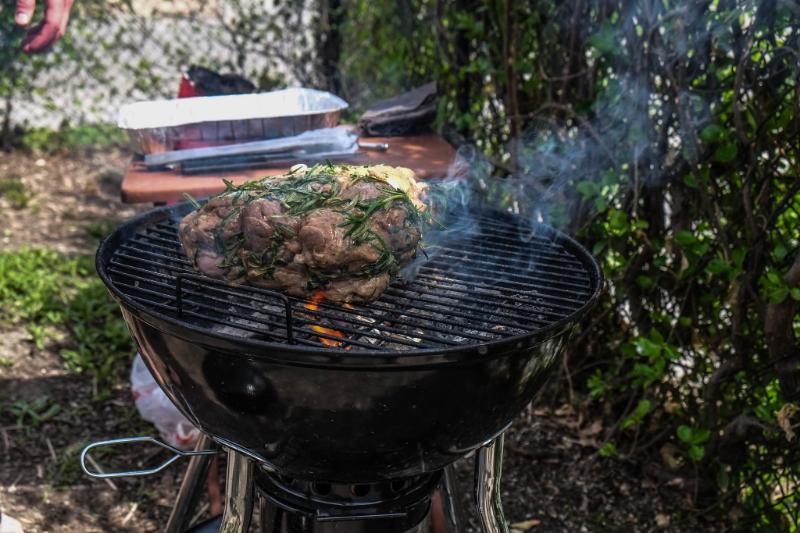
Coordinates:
x,y
284,509
428,503
277,518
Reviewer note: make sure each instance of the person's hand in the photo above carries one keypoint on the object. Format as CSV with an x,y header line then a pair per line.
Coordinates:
x,y
47,32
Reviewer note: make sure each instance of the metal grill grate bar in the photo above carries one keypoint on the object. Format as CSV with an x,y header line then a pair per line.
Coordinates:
x,y
498,282
177,258
345,315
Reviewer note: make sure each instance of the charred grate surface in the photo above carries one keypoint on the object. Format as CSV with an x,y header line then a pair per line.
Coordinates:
x,y
499,281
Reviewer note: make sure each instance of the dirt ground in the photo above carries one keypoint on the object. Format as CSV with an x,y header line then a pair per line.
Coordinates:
x,y
554,480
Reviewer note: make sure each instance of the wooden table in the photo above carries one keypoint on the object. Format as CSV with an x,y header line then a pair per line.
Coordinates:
x,y
428,155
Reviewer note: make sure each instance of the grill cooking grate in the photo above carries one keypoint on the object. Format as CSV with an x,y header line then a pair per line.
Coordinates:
x,y
499,281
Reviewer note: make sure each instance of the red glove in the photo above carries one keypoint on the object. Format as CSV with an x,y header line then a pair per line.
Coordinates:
x,y
49,30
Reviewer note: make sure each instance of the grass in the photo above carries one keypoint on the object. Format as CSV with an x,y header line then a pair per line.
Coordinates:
x,y
13,190
98,229
52,292
33,413
73,138
66,470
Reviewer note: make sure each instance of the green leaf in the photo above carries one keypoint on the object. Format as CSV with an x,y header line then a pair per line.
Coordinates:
x,y
672,353
696,452
645,282
609,449
690,181
726,153
587,188
600,204
795,292
598,247
685,433
597,384
701,436
647,347
604,41
618,221
717,266
643,408
738,256
711,133
685,238
763,413
779,294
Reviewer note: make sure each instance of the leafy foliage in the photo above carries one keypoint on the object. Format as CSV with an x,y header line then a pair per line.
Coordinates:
x,y
77,138
13,190
663,134
50,292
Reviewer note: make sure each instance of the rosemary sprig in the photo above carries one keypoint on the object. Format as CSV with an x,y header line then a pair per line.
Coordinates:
x,y
303,191
387,262
191,199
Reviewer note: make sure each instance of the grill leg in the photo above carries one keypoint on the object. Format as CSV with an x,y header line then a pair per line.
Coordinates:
x,y
488,467
191,487
453,511
239,494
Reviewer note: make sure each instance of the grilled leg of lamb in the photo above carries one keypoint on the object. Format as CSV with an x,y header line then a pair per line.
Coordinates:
x,y
342,230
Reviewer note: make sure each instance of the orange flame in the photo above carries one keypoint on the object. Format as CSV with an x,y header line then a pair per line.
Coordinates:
x,y
316,298
331,332
313,305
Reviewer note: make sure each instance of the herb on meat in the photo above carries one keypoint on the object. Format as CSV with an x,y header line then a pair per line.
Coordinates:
x,y
378,215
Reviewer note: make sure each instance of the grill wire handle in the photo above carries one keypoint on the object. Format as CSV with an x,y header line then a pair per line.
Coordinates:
x,y
99,473
287,306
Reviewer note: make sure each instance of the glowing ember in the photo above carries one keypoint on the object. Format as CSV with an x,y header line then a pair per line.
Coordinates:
x,y
331,332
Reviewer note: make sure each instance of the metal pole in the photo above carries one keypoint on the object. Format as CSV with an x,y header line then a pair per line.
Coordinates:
x,y
488,468
238,494
451,500
191,487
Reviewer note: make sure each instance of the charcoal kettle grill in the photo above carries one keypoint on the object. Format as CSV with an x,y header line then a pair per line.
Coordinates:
x,y
349,418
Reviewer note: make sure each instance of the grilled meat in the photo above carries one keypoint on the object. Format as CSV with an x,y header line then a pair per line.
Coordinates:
x,y
343,230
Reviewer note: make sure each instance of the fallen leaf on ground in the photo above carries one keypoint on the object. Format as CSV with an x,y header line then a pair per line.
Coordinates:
x,y
784,417
593,429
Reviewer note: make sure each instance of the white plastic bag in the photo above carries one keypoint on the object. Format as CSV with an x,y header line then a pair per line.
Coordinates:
x,y
155,407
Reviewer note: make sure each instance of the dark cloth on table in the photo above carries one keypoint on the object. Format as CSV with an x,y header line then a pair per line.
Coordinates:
x,y
404,114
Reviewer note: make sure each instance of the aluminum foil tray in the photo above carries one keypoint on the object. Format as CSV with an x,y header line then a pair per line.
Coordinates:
x,y
163,125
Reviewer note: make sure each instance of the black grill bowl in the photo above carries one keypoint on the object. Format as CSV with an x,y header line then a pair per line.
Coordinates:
x,y
328,414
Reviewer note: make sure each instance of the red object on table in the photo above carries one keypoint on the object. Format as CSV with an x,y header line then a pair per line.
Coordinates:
x,y
187,88
427,154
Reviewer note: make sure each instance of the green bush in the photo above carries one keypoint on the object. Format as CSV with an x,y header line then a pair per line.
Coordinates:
x,y
49,292
665,136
